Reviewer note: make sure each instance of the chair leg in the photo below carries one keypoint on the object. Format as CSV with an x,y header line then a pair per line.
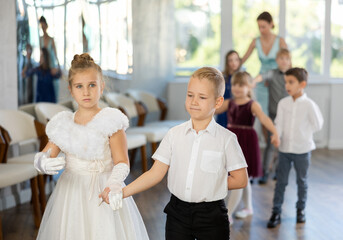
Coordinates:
x,y
42,196
35,204
153,147
144,159
132,157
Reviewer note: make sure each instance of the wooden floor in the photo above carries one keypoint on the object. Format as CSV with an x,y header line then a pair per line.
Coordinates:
x,y
324,207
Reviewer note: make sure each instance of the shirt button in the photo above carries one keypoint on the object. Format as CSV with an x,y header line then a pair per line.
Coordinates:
x,y
188,188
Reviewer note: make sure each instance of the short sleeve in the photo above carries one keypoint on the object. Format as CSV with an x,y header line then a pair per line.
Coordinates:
x,y
164,150
110,120
234,155
58,127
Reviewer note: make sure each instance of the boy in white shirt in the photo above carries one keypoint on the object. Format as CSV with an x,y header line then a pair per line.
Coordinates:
x,y
298,117
199,154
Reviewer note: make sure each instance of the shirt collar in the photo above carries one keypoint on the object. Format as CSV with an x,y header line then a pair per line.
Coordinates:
x,y
301,98
211,128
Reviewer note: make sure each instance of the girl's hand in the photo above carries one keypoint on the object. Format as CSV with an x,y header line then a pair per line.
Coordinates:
x,y
275,140
104,195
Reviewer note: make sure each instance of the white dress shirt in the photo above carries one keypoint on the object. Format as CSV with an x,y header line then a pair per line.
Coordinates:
x,y
199,162
296,121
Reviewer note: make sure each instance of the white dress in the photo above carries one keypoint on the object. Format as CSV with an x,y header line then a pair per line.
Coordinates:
x,y
73,211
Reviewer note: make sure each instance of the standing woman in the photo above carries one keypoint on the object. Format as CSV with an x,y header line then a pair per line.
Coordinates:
x,y
48,42
267,45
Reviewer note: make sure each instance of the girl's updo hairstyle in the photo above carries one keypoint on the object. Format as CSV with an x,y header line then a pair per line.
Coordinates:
x,y
265,16
81,63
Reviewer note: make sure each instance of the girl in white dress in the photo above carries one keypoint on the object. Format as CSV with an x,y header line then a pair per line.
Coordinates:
x,y
96,165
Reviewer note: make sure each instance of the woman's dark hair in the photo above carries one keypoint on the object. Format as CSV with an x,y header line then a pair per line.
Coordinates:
x,y
43,20
46,63
227,71
265,16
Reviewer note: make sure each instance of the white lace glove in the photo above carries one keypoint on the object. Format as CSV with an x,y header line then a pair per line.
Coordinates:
x,y
114,183
46,165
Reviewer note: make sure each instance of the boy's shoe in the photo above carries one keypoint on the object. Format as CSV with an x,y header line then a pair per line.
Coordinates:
x,y
274,220
301,216
244,213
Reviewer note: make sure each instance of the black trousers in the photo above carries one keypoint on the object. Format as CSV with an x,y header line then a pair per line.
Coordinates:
x,y
201,221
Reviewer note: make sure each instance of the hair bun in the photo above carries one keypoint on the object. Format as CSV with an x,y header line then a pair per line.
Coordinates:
x,y
83,59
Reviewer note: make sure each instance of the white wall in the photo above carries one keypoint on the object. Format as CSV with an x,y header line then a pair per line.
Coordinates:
x,y
8,55
328,96
336,116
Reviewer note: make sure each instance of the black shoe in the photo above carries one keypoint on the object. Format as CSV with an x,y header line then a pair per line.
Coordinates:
x,y
263,180
301,216
274,220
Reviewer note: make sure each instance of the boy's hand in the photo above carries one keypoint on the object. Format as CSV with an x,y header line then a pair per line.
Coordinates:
x,y
113,196
275,140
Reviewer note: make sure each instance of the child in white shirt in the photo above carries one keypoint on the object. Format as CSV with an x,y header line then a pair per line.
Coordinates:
x,y
298,117
199,154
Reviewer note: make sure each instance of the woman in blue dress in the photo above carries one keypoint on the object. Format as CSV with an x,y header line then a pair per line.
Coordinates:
x,y
45,91
48,42
267,45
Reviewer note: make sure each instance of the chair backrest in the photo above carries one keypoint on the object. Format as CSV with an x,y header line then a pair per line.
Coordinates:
x,y
45,111
102,104
149,100
152,103
68,104
122,102
20,125
28,108
5,141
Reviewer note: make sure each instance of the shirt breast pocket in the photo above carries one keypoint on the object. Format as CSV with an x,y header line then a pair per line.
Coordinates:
x,y
211,161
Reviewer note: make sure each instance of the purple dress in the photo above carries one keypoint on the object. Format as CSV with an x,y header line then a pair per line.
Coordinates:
x,y
240,122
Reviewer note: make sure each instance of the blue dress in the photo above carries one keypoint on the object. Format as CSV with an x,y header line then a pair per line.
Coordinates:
x,y
45,91
268,62
222,118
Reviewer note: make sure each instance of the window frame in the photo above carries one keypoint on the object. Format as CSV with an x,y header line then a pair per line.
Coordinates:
x,y
227,41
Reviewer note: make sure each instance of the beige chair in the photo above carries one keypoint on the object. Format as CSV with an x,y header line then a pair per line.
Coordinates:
x,y
20,127
45,111
11,174
154,106
129,107
28,108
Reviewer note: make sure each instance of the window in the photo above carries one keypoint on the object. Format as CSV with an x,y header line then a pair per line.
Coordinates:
x,y
336,69
245,29
197,34
99,27
305,33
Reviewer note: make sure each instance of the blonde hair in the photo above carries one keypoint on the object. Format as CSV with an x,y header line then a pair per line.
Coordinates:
x,y
81,63
283,52
214,76
243,79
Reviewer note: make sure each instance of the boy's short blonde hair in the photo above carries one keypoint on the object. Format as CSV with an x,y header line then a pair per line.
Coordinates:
x,y
283,52
214,76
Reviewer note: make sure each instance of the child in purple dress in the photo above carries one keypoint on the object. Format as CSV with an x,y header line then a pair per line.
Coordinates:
x,y
241,112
